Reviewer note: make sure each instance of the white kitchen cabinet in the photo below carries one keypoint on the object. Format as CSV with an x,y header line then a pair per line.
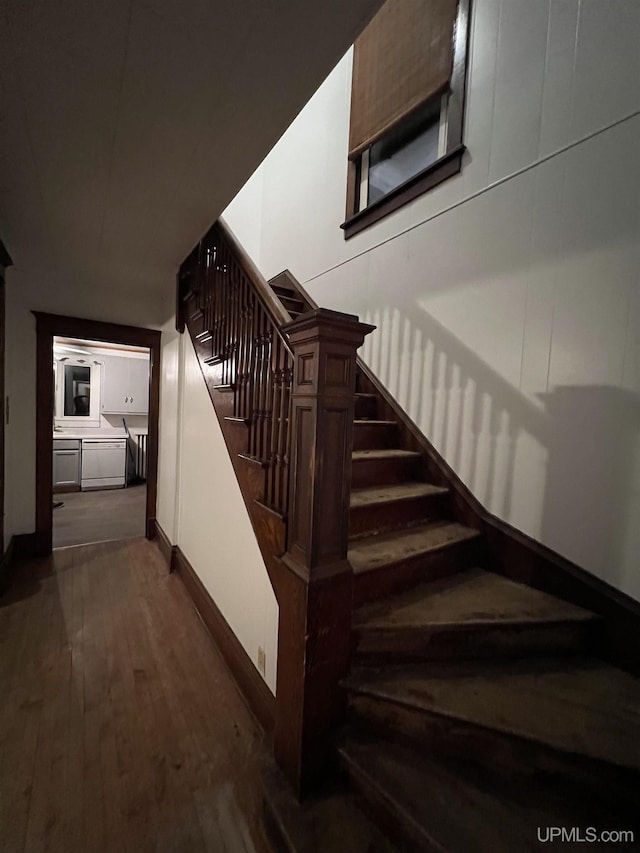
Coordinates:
x,y
125,386
66,465
138,386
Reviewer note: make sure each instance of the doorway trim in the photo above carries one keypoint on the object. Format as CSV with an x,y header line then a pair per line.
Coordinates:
x,y
48,326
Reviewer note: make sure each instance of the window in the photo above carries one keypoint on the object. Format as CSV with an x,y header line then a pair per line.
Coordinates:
x,y
407,97
77,392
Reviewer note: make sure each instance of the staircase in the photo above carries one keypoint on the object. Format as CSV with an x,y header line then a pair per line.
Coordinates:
x,y
480,716
478,713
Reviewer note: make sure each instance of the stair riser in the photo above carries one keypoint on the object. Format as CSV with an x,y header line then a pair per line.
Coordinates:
x,y
366,408
377,584
370,436
435,734
281,291
381,809
382,472
390,516
476,642
292,304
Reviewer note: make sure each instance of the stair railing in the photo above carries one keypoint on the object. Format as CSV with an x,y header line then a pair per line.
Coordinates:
x,y
241,325
293,385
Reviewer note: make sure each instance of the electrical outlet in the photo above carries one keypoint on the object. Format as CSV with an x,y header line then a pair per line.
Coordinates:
x,y
262,663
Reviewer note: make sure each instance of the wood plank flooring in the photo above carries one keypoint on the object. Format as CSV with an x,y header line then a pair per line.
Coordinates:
x,y
99,516
120,727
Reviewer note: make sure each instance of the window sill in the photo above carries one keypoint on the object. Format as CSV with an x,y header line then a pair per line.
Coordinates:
x,y
419,184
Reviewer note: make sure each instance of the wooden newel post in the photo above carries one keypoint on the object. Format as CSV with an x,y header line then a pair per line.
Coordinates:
x,y
315,615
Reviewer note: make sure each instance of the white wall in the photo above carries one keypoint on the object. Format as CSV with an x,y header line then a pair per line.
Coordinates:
x,y
213,528
244,214
507,300
168,432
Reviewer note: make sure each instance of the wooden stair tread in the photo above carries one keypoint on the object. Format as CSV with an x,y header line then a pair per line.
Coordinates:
x,y
580,707
390,493
373,422
393,453
328,821
443,806
374,552
464,599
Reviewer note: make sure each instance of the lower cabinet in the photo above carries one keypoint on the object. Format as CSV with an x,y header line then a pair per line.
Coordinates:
x,y
66,465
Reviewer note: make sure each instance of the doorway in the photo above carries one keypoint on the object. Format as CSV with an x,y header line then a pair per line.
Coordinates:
x,y
100,436
71,414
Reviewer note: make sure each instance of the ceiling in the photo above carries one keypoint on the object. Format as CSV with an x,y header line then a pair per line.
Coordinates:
x,y
126,126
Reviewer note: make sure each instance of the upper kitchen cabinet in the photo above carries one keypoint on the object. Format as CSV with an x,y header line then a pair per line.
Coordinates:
x,y
125,387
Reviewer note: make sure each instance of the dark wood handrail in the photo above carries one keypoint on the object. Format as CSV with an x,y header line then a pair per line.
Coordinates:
x,y
265,294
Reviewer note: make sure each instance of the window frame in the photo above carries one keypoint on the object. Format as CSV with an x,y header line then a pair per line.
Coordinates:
x,y
93,418
435,173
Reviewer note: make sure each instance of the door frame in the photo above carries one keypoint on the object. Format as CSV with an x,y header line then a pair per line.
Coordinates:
x,y
48,326
2,409
5,263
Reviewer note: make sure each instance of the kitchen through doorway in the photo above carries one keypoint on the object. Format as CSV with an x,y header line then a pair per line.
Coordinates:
x,y
100,441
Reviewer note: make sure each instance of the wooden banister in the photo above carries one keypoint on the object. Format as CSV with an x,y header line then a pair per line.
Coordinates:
x,y
236,321
272,305
284,393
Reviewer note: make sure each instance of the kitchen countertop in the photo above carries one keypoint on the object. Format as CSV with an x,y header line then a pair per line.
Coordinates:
x,y
93,435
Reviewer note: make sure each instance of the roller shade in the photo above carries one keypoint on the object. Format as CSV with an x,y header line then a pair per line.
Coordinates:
x,y
401,59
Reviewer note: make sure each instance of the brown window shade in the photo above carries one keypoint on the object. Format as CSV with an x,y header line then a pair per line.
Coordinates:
x,y
402,59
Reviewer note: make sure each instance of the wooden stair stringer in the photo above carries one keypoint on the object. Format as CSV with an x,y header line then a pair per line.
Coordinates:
x,y
269,528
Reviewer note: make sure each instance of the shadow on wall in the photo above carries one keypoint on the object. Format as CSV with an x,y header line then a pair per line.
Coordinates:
x,y
472,415
592,494
539,272
565,471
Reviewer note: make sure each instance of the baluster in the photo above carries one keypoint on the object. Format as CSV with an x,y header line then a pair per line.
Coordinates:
x,y
214,296
224,344
228,348
257,399
251,358
246,349
239,411
199,287
285,433
264,371
215,301
220,288
231,283
207,290
267,390
224,294
235,333
210,319
228,344
252,377
273,420
267,401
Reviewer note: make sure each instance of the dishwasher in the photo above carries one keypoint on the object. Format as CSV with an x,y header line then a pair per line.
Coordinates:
x,y
104,463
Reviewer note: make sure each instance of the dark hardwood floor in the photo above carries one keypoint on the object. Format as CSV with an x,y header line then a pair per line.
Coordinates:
x,y
120,726
99,516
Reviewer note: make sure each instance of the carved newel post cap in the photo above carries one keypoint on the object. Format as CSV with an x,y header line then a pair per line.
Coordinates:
x,y
326,324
